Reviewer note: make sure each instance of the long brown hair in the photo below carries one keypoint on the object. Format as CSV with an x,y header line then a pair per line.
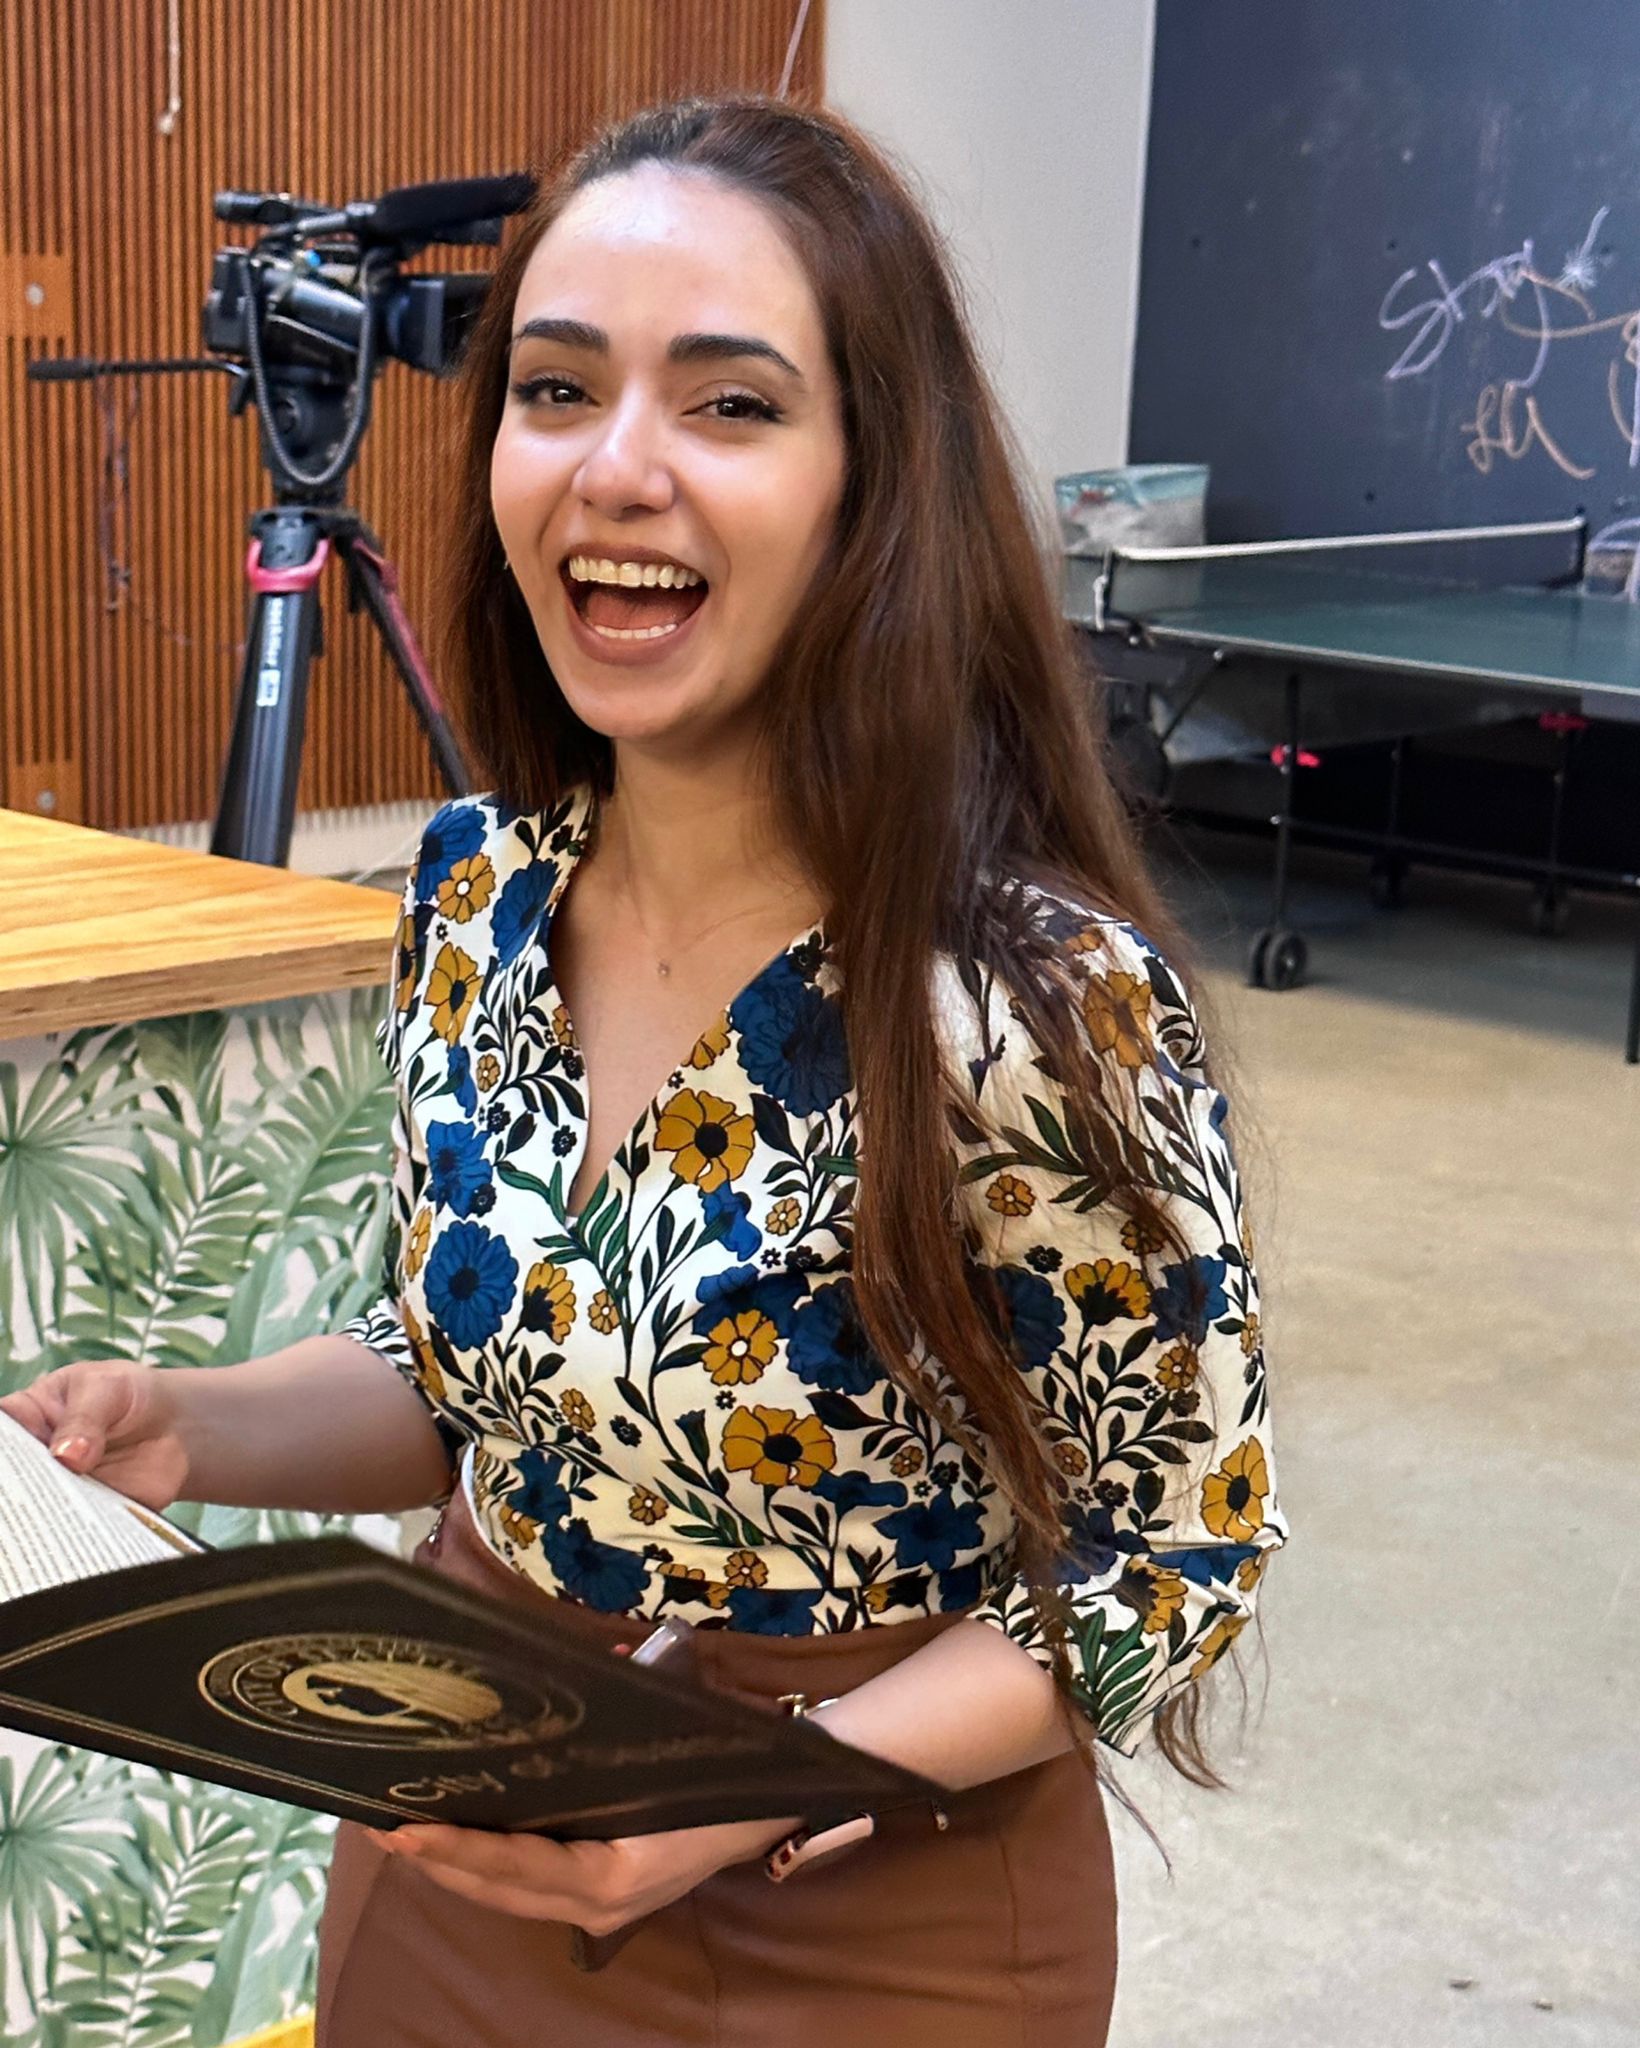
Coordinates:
x,y
926,726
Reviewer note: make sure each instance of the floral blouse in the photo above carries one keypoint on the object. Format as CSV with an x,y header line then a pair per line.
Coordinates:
x,y
668,1404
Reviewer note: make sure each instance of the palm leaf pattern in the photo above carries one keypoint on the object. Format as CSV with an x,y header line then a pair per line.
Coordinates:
x,y
192,1191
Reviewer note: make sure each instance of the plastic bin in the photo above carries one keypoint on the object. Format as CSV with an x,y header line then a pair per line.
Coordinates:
x,y
1145,504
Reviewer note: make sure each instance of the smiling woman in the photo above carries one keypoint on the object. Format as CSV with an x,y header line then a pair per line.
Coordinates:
x,y
663,409
876,1297
818,1220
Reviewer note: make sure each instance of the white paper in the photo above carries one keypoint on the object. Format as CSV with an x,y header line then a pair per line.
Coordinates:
x,y
56,1526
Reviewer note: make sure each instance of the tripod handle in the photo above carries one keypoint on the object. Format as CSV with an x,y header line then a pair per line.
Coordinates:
x,y
82,369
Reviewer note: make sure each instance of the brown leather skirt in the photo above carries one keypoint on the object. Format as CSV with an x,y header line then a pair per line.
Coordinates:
x,y
998,1933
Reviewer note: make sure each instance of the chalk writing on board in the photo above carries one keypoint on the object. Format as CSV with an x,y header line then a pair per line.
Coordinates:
x,y
1544,315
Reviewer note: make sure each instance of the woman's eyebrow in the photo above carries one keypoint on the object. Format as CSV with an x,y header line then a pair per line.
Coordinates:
x,y
683,348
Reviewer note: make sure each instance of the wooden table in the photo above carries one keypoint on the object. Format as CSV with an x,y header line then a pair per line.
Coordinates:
x,y
96,929
193,1172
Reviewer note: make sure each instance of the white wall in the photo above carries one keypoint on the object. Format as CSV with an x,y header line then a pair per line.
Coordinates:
x,y
1023,122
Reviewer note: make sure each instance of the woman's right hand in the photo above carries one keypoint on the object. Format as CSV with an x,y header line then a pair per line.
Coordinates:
x,y
118,1421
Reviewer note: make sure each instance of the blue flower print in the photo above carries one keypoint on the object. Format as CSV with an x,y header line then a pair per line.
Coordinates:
x,y
1092,1543
791,1039
456,1166
739,1288
1035,1313
470,1280
1190,1297
1218,1563
772,1612
519,908
458,1068
455,833
931,1532
596,1573
829,1346
726,1210
960,1587
850,1490
543,1496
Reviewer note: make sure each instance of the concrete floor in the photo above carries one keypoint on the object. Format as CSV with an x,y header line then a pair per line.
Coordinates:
x,y
1434,1832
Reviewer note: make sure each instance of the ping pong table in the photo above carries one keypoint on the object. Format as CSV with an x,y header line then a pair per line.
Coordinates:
x,y
1314,610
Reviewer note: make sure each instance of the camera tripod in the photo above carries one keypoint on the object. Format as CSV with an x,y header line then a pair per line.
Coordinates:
x,y
302,321
290,545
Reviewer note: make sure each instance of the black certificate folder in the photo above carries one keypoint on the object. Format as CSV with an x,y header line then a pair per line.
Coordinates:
x,y
326,1674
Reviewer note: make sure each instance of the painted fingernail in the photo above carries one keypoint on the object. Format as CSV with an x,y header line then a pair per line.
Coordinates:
x,y
71,1447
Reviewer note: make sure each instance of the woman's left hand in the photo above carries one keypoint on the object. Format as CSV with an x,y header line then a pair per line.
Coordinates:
x,y
597,1886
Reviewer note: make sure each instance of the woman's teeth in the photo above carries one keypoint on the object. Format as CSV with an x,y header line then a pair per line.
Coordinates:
x,y
631,632
633,575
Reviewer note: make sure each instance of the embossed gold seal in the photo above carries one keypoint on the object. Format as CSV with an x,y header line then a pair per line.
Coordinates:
x,y
386,1692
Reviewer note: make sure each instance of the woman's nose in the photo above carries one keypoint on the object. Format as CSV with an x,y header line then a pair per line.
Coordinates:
x,y
626,466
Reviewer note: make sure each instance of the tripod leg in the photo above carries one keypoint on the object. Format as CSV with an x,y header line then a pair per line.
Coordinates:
x,y
377,583
258,802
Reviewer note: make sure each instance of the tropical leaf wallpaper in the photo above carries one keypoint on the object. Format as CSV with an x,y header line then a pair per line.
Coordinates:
x,y
192,1191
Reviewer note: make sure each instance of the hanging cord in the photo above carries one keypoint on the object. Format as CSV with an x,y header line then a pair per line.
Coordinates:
x,y
167,122
791,50
364,367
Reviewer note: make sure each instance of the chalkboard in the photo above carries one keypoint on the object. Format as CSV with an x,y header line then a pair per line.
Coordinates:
x,y
1391,262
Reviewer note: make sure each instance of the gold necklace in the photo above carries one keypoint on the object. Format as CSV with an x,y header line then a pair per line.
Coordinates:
x,y
664,967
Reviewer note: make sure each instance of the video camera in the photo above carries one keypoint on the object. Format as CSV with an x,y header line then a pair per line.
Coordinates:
x,y
321,285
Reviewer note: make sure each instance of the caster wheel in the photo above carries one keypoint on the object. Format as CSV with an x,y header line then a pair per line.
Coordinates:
x,y
1387,884
1550,914
1277,959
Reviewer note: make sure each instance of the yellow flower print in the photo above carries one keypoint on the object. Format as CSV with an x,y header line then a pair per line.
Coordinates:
x,y
1071,1459
746,1568
1216,1641
1251,1570
549,1300
710,1143
466,890
404,952
1109,1288
450,990
906,1461
647,1507
1250,1334
488,1071
1233,1497
1152,1592
777,1448
740,1348
783,1218
1177,1368
876,1597
711,1045
519,1528
430,1379
415,1244
1116,1009
1141,1237
603,1315
693,1573
576,1409
717,1592
1088,939
562,1029
1010,1196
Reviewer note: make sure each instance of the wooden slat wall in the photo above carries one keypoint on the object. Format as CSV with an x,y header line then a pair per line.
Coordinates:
x,y
123,506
